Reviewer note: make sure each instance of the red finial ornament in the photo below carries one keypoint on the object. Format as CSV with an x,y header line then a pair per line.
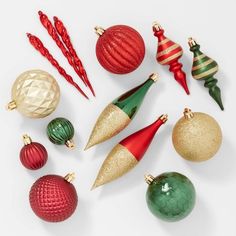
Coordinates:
x,y
168,53
38,45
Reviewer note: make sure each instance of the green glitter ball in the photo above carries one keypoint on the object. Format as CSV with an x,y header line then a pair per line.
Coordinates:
x,y
60,131
170,196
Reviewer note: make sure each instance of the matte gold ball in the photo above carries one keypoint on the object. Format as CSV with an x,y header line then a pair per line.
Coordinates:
x,y
196,136
35,94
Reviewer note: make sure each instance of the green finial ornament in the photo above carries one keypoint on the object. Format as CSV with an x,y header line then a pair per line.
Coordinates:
x,y
204,68
60,131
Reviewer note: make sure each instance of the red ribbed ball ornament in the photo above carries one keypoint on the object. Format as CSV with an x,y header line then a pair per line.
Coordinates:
x,y
33,155
120,49
53,198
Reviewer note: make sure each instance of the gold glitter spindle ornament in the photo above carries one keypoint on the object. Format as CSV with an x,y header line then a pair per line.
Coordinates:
x,y
35,94
196,136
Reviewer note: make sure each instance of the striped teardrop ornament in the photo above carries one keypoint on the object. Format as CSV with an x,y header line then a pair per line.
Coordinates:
x,y
204,68
168,53
120,49
60,131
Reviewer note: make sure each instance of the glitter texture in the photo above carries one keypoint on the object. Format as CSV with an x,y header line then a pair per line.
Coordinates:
x,y
118,162
111,121
35,94
197,138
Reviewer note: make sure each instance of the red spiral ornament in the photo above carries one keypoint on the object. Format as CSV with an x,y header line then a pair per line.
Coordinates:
x,y
53,198
33,156
120,49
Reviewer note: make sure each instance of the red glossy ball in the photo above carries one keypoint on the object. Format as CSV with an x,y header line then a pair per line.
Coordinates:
x,y
33,156
52,198
120,49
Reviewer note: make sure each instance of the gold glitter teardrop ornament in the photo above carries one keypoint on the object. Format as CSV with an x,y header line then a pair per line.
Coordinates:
x,y
35,94
196,136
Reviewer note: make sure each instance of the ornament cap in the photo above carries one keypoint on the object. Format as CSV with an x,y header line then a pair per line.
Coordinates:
x,y
149,179
188,114
164,118
26,139
191,42
156,26
11,105
70,144
70,177
154,77
99,30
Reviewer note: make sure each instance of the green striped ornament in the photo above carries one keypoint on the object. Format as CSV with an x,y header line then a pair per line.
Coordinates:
x,y
60,131
204,68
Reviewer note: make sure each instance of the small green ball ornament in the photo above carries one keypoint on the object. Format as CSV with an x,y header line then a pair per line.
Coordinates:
x,y
170,196
60,131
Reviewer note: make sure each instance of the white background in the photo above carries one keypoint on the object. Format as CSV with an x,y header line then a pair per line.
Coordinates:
x,y
119,208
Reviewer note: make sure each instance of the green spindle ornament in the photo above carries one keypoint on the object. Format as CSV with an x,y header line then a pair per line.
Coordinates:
x,y
204,68
60,131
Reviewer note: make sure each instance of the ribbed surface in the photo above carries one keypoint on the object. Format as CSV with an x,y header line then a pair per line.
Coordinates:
x,y
60,130
33,156
120,49
52,198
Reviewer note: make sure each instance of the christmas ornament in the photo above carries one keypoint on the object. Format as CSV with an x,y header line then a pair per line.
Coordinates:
x,y
38,45
170,196
60,131
204,68
168,53
35,94
118,114
33,156
53,198
196,136
120,49
126,155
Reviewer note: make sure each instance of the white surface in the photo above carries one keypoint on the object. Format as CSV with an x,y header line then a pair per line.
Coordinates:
x,y
119,208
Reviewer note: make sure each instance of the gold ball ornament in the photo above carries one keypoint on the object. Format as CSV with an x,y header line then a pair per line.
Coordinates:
x,y
35,94
196,136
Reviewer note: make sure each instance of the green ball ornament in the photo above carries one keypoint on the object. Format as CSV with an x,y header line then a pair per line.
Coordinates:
x,y
170,196
60,131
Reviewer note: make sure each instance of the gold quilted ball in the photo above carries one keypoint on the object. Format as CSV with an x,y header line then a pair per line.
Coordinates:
x,y
35,94
196,136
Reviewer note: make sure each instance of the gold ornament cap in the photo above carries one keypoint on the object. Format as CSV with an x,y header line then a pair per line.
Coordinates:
x,y
70,144
26,139
154,76
11,105
99,30
149,179
191,42
156,26
70,177
188,114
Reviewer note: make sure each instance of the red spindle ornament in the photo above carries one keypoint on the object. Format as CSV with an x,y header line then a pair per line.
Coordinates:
x,y
53,33
168,53
62,31
33,156
38,45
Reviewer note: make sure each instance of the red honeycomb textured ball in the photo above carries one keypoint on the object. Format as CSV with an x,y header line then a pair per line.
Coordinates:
x,y
53,198
120,49
33,156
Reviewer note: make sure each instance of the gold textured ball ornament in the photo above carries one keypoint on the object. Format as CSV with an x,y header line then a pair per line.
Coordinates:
x,y
196,136
35,94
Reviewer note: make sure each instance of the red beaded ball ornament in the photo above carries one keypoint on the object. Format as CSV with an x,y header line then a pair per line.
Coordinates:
x,y
53,198
33,156
120,49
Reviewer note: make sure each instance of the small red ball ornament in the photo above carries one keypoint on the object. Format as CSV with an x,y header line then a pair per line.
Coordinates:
x,y
120,49
33,156
53,198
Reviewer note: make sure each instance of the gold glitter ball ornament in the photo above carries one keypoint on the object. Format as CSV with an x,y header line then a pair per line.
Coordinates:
x,y
196,136
35,94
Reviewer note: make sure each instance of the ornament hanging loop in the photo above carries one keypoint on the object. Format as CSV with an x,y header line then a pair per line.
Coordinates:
x,y
188,114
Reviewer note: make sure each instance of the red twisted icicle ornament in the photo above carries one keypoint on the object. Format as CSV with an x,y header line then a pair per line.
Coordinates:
x,y
127,153
168,53
53,198
38,45
62,31
53,33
